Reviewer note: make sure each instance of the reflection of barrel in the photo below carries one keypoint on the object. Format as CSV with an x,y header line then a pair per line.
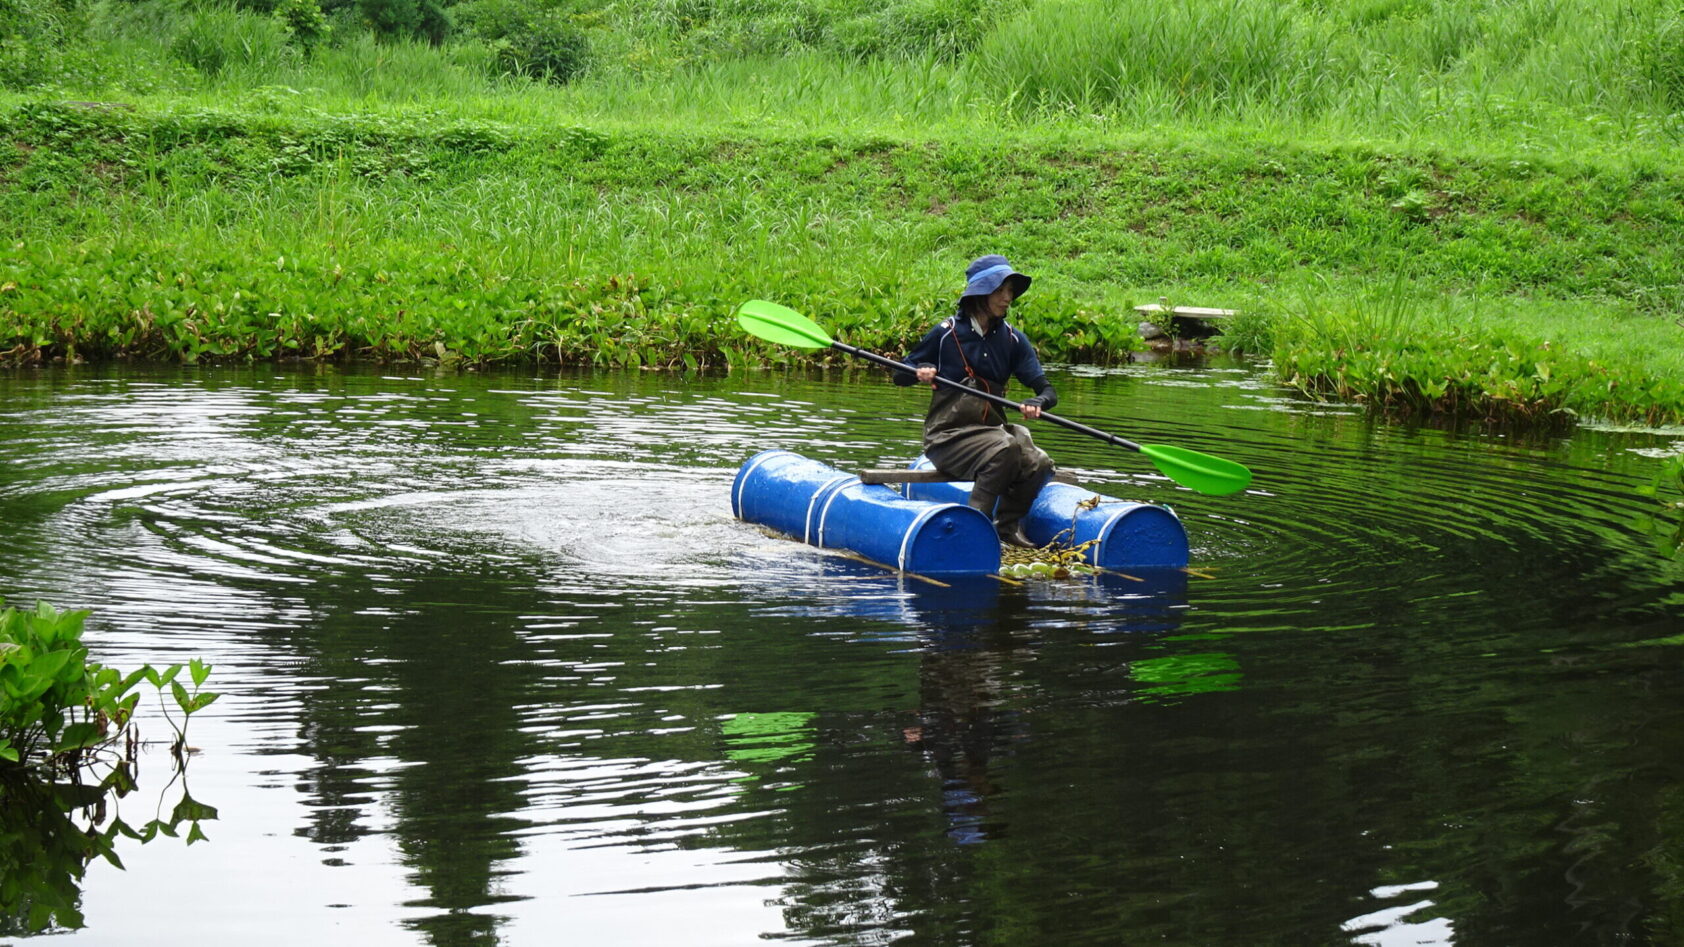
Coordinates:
x,y
821,505
1130,535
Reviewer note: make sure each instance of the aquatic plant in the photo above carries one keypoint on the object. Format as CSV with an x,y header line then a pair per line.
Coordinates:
x,y
1407,358
58,709
68,753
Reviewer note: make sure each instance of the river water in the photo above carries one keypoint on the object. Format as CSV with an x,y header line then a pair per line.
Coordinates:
x,y
499,666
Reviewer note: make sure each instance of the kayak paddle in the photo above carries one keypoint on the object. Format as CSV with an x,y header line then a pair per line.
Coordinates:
x,y
1201,472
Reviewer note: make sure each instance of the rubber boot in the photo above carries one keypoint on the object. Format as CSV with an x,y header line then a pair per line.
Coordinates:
x,y
1009,532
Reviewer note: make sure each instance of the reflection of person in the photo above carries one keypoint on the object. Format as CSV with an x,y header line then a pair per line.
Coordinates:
x,y
958,730
963,722
966,437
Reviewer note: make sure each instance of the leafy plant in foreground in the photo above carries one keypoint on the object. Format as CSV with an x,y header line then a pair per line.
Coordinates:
x,y
57,708
61,775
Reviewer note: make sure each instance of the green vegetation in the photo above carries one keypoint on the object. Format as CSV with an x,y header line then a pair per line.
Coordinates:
x,y
57,706
1472,360
68,753
603,182
58,710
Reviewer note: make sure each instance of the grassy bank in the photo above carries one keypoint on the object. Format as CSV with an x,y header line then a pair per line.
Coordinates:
x,y
1503,175
193,233
1540,365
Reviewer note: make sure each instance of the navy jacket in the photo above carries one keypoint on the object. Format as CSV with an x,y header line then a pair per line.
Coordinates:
x,y
1002,354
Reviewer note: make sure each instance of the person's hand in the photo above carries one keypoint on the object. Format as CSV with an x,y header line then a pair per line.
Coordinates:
x,y
1030,411
927,374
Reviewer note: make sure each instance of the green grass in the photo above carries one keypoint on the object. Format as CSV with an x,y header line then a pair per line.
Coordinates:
x,y
1410,356
215,234
1517,161
1587,79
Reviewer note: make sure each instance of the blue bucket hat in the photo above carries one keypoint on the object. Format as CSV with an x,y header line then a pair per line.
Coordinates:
x,y
986,273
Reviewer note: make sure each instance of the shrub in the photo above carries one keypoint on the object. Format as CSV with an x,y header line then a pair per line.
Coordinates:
x,y
392,19
214,39
32,36
304,22
527,41
546,47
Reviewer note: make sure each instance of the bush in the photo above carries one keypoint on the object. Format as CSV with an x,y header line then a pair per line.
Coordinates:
x,y
527,41
392,19
215,39
545,47
304,21
32,35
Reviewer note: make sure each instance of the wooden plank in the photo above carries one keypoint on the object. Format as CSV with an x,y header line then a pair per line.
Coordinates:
x,y
1186,312
934,476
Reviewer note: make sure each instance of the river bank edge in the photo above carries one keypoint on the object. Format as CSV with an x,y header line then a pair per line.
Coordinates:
x,y
1523,293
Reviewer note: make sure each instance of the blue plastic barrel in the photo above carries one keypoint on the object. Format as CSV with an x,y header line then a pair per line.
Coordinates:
x,y
1130,535
823,506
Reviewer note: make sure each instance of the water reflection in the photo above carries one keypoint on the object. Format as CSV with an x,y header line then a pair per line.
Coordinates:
x,y
499,663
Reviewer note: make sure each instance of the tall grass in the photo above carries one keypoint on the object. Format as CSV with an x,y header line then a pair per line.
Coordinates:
x,y
1594,79
1419,68
1220,57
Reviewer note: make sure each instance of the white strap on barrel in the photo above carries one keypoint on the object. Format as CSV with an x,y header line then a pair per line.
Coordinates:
x,y
743,481
819,542
906,540
807,524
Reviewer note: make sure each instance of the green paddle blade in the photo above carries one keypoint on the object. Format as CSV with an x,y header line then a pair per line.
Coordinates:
x,y
1197,471
781,324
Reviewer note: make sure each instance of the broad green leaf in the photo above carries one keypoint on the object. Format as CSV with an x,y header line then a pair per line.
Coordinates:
x,y
78,736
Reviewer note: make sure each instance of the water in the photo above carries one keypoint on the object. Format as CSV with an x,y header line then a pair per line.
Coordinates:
x,y
500,667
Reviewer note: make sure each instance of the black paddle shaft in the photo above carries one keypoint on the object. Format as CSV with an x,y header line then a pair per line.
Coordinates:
x,y
1076,426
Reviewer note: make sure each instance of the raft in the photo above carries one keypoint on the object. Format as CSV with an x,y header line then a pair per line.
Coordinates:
x,y
1126,535
927,528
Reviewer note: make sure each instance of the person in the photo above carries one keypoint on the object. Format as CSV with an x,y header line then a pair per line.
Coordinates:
x,y
966,437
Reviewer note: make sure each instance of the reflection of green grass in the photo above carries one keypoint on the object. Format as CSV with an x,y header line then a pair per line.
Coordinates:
x,y
1674,639
767,737
1187,674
